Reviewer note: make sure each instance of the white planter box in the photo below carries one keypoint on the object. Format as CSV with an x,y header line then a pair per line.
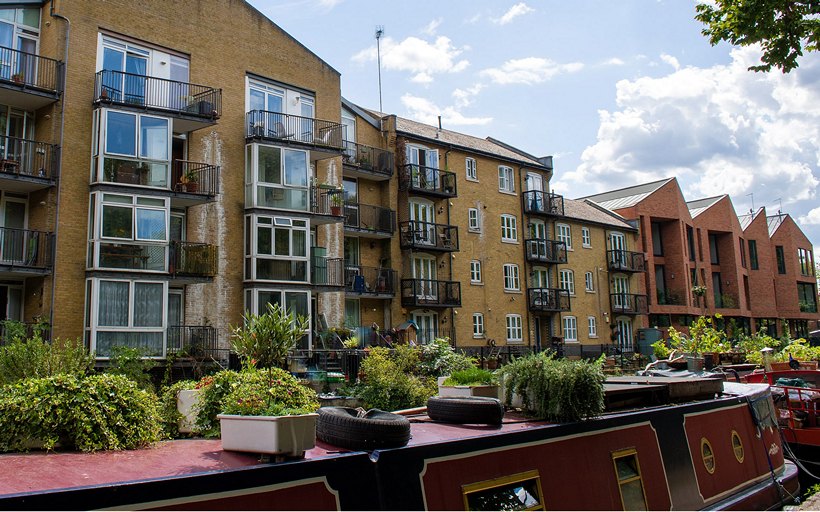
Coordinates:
x,y
280,435
187,407
488,391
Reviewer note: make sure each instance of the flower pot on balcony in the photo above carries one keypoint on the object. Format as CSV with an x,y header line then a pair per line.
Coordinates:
x,y
336,211
279,435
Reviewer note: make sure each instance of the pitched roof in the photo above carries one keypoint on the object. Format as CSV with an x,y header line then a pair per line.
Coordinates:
x,y
699,206
626,197
746,219
774,222
586,210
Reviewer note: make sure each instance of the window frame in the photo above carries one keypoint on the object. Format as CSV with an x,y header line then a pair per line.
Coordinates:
x,y
589,282
471,171
254,183
473,220
753,261
514,326
512,277
569,281
562,236
478,325
506,179
592,326
277,222
569,328
780,258
101,153
509,228
586,238
638,478
475,272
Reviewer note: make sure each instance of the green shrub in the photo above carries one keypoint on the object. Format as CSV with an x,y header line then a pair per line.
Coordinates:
x,y
97,412
26,358
266,339
389,383
800,350
214,390
438,359
130,362
471,377
270,392
169,414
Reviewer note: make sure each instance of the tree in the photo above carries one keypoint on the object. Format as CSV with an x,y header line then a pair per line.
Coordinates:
x,y
785,28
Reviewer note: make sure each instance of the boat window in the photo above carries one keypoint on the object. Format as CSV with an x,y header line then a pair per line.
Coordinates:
x,y
521,491
628,472
737,446
708,455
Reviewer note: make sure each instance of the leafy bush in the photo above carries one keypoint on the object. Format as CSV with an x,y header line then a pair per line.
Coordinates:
x,y
169,413
471,377
256,394
438,358
703,337
800,350
214,390
752,345
130,362
266,339
26,358
98,412
556,389
390,383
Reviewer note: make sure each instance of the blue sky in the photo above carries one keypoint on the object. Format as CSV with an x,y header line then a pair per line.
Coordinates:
x,y
619,92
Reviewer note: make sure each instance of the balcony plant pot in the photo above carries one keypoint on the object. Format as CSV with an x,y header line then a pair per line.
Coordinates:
x,y
336,211
694,363
276,435
187,406
490,391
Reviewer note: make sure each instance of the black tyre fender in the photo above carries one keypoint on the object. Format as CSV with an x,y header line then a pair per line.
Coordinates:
x,y
465,409
354,429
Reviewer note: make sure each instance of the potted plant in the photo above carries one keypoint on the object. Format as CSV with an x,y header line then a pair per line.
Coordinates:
x,y
268,411
18,78
470,382
189,182
336,202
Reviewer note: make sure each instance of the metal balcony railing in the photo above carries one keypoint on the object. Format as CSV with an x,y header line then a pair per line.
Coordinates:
x,y
541,250
194,341
369,280
22,157
427,180
30,70
177,98
626,261
26,249
629,303
327,271
368,158
195,178
426,236
129,256
538,202
193,259
263,124
367,218
430,293
548,300
324,201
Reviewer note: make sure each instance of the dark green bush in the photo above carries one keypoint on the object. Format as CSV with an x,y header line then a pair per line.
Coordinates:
x,y
389,382
131,362
25,358
471,377
169,414
98,412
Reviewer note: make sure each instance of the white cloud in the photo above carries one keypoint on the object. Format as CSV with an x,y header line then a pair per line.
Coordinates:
x,y
431,27
422,58
720,130
672,61
614,61
464,97
329,4
813,217
529,71
425,111
515,11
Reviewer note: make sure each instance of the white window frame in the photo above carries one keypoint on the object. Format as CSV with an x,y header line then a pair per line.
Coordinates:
x,y
471,169
563,233
589,282
592,326
515,331
512,278
475,272
253,183
252,303
586,238
473,220
570,328
566,280
506,179
509,228
478,325
252,222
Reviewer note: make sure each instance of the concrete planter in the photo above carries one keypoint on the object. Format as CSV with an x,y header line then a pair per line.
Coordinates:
x,y
279,435
490,391
187,406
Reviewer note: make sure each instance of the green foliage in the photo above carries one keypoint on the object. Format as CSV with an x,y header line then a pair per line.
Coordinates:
x,y
24,358
214,390
660,349
783,28
438,359
752,345
471,377
391,381
88,413
266,339
556,389
703,337
130,362
260,393
800,350
169,414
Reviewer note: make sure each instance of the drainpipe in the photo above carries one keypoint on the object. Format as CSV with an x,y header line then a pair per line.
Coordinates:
x,y
59,178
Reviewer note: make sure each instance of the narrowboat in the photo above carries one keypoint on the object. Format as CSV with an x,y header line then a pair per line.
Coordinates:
x,y
663,443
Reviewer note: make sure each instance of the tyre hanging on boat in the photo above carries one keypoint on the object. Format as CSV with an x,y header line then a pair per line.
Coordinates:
x,y
356,429
464,409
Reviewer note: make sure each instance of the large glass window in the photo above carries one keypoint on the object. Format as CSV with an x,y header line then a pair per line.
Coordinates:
x,y
20,30
294,301
781,259
566,281
129,232
279,249
512,281
128,313
136,149
280,178
515,332
564,234
753,254
570,325
509,228
506,182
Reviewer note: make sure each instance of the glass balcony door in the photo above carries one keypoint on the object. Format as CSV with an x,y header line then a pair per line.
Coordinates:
x,y
13,240
424,271
121,58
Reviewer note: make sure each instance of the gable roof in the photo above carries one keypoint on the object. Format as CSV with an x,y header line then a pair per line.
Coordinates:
x,y
586,210
626,197
746,219
774,222
699,206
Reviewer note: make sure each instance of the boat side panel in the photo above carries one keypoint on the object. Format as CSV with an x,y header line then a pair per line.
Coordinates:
x,y
315,495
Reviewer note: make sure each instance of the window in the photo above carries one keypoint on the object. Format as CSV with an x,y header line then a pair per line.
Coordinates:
x,y
509,228
781,259
294,301
657,240
130,232
630,483
564,234
570,324
742,253
521,491
566,281
470,166
511,279
588,285
592,323
708,455
276,177
753,254
478,325
505,179
136,149
737,446
690,239
713,249
475,271
586,239
807,297
473,223
514,330
276,249
804,259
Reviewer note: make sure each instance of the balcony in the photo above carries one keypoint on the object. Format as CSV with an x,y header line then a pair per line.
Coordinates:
x,y
428,181
625,261
369,221
29,81
547,300
430,293
327,272
197,341
27,165
538,202
194,182
426,236
127,256
190,259
372,282
327,204
192,106
541,250
25,252
367,162
322,138
629,304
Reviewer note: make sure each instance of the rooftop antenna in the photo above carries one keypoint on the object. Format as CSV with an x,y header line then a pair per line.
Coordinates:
x,y
753,202
379,34
780,208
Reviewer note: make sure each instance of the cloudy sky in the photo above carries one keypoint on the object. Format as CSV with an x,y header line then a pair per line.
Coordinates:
x,y
619,92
